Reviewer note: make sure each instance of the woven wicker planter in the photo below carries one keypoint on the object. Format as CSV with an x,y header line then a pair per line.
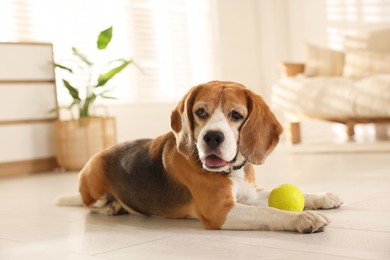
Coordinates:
x,y
77,140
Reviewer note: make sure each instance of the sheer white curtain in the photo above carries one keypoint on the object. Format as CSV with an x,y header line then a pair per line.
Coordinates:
x,y
171,40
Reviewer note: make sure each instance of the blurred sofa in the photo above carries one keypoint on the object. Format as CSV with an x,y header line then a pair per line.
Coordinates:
x,y
349,87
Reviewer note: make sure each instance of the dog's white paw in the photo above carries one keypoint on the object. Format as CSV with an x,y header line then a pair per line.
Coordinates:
x,y
322,201
310,222
111,209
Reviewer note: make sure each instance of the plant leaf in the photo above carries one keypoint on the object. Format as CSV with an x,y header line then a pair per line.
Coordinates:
x,y
72,91
71,105
104,38
81,56
108,97
53,110
139,67
104,93
63,67
104,78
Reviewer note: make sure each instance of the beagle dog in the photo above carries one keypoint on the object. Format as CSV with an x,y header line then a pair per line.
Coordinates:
x,y
202,168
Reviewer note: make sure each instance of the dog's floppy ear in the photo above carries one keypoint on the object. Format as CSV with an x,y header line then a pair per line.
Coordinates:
x,y
182,123
260,133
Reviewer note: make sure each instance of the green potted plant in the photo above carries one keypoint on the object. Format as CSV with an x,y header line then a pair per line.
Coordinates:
x,y
78,139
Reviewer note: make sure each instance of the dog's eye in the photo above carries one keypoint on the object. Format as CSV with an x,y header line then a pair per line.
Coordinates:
x,y
201,113
235,116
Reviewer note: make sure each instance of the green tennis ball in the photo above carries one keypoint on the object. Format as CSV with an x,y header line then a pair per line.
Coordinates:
x,y
286,197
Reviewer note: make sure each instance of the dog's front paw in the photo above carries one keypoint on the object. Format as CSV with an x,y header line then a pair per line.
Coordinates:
x,y
322,201
310,222
111,209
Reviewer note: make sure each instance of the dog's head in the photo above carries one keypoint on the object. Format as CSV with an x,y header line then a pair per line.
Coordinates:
x,y
226,124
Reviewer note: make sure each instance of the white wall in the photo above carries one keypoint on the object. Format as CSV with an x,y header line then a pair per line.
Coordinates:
x,y
136,121
237,42
252,37
274,40
307,23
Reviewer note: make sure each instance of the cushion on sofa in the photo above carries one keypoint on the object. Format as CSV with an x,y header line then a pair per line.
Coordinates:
x,y
322,61
359,64
372,96
333,96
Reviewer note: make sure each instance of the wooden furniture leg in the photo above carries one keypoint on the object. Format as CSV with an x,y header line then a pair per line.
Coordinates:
x,y
349,130
293,132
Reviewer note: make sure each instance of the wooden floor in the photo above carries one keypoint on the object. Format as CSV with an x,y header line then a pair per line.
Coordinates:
x,y
31,227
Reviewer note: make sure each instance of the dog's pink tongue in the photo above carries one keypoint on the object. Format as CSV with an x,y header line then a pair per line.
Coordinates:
x,y
214,161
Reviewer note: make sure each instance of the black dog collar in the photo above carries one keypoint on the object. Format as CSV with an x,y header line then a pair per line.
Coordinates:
x,y
236,168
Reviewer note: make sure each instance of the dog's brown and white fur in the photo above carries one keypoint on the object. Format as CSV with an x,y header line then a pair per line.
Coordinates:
x,y
202,169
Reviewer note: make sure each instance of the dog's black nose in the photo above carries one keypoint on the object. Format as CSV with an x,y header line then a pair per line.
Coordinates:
x,y
213,138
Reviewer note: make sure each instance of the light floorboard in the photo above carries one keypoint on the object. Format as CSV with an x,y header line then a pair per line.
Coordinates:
x,y
32,227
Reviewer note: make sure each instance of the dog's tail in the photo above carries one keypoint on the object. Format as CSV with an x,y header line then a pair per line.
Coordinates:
x,y
72,200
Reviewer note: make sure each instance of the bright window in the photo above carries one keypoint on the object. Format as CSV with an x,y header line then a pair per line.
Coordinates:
x,y
355,17
170,39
